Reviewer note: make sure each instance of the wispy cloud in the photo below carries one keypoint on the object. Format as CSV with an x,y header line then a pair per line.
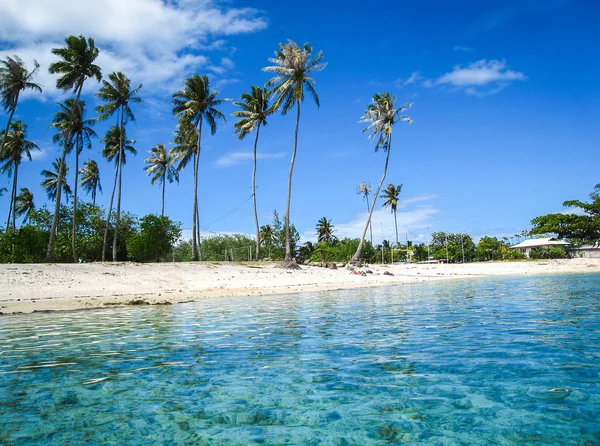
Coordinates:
x,y
479,78
42,154
234,158
464,49
413,78
153,41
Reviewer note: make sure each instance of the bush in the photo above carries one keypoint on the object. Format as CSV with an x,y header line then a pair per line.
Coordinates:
x,y
27,245
554,252
155,239
512,254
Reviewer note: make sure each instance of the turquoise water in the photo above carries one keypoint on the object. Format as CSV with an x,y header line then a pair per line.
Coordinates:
x,y
486,361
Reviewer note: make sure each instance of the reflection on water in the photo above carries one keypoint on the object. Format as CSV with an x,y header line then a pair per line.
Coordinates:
x,y
502,361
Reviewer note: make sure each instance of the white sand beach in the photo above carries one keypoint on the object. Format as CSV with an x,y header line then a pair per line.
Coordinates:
x,y
27,288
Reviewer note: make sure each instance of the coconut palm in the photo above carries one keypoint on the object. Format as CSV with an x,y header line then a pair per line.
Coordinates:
x,y
90,179
76,64
325,231
15,149
114,139
267,236
24,204
194,104
364,189
253,114
14,78
52,179
381,117
117,95
292,76
161,166
390,195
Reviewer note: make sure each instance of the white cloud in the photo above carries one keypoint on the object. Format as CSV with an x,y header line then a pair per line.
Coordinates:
x,y
234,158
42,154
480,78
413,221
154,42
464,49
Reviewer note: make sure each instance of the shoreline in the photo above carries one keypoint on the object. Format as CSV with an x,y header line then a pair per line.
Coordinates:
x,y
27,288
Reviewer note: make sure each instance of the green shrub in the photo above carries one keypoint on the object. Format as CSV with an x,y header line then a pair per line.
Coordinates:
x,y
553,252
512,254
155,239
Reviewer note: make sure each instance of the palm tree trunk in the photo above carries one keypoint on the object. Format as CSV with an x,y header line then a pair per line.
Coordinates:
x,y
195,217
162,212
10,206
61,169
118,217
198,233
254,196
112,197
356,257
14,200
74,235
288,246
396,225
370,224
12,112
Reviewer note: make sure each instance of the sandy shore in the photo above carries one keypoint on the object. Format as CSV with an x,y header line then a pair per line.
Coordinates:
x,y
49,287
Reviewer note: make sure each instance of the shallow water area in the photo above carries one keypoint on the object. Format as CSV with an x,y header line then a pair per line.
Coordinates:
x,y
494,360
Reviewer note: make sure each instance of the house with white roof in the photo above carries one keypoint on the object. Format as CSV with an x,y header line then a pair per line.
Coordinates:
x,y
526,246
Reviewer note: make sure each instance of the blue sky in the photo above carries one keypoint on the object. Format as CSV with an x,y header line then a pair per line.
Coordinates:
x,y
506,103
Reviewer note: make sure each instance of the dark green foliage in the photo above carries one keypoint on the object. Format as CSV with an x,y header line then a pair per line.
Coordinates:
x,y
342,251
25,245
552,252
456,242
576,228
154,240
489,248
512,254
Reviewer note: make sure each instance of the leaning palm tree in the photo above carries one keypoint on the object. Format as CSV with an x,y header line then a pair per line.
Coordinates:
x,y
390,195
381,117
292,75
161,166
14,78
53,180
253,114
76,64
15,149
24,204
117,95
194,104
113,140
325,231
364,189
90,179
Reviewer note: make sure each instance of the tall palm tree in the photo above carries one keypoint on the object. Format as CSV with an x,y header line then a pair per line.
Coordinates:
x,y
325,231
364,189
117,95
253,114
54,178
381,116
76,64
292,75
90,179
195,103
114,139
14,78
267,236
16,147
24,204
390,195
161,165
68,122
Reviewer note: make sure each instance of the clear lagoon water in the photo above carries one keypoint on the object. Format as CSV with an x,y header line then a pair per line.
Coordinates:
x,y
484,361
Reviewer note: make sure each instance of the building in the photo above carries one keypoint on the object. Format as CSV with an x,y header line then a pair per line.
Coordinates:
x,y
526,246
585,251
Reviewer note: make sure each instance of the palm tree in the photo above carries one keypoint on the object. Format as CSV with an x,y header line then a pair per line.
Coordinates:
x,y
90,179
364,189
325,231
76,64
292,70
55,178
24,204
117,94
195,103
16,147
381,117
266,235
390,195
253,114
112,141
160,164
14,78
68,121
